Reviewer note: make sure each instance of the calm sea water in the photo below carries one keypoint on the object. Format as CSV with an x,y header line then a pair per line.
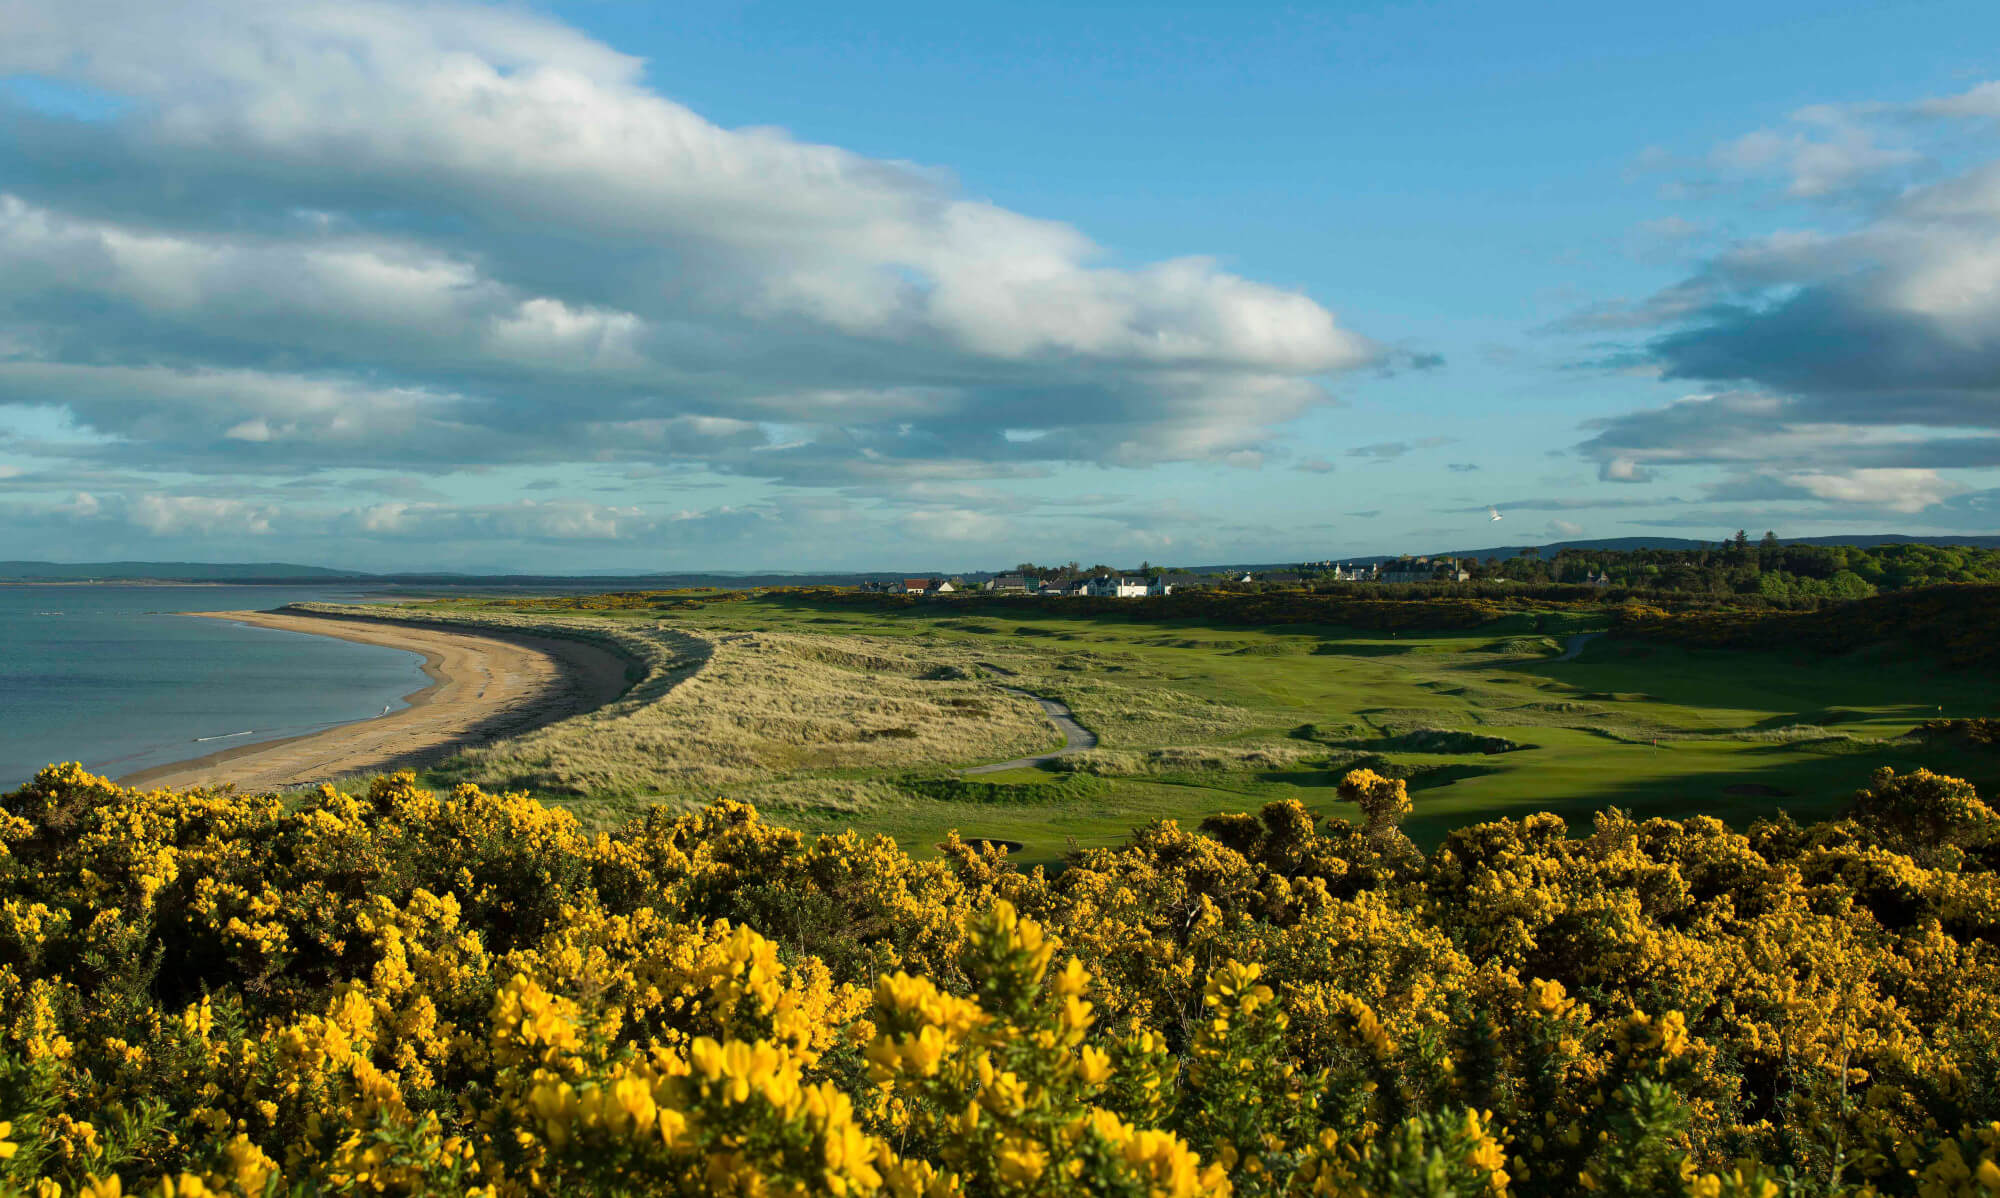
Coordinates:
x,y
113,677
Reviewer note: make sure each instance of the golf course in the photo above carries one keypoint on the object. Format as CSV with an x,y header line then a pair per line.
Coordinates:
x,y
838,716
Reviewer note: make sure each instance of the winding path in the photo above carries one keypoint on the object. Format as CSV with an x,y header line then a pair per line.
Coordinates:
x,y
1576,643
1076,738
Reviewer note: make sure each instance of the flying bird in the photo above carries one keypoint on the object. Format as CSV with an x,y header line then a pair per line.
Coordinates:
x,y
1493,513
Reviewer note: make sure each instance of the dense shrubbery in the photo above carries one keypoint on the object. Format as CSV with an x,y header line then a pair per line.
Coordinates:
x,y
1772,571
402,992
1408,611
1955,624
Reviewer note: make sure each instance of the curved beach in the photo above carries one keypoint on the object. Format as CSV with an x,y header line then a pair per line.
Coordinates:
x,y
484,685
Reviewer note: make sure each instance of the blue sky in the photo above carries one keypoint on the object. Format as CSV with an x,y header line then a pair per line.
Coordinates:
x,y
613,285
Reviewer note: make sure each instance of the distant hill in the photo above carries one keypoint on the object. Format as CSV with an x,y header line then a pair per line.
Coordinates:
x,y
1628,544
169,572
269,572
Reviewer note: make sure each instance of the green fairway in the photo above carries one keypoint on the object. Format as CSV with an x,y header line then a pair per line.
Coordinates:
x,y
1198,719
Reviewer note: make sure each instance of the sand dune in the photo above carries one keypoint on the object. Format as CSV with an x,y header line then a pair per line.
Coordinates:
x,y
484,686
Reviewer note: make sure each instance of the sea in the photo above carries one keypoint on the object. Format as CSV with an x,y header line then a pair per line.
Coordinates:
x,y
120,679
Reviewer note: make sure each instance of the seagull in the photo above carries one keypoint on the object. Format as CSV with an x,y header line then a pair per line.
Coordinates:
x,y
1493,513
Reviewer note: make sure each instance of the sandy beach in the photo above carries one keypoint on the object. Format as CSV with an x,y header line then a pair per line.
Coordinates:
x,y
484,685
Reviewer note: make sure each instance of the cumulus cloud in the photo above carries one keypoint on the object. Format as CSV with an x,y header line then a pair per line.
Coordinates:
x,y
171,514
1848,364
1623,470
1892,489
370,233
1564,528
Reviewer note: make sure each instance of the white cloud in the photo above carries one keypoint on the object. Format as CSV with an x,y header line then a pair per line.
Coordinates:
x,y
1564,528
526,520
179,515
1897,490
1827,152
955,524
568,252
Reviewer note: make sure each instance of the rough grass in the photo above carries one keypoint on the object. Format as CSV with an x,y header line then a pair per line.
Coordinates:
x,y
1142,710
764,705
730,709
1189,759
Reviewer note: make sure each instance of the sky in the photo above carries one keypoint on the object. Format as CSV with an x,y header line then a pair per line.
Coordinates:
x,y
743,285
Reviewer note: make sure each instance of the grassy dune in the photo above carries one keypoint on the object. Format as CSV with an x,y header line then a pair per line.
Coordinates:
x,y
722,709
846,717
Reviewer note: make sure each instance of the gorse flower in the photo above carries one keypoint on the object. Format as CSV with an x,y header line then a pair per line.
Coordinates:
x,y
411,992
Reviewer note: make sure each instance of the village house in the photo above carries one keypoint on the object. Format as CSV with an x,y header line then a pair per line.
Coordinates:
x,y
1110,586
1008,584
926,588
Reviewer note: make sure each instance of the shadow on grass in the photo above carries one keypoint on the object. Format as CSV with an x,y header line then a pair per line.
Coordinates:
x,y
1815,788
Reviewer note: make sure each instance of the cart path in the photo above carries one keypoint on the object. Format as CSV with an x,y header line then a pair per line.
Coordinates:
x,y
1076,738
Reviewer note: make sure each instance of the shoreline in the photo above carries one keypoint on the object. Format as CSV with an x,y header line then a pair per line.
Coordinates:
x,y
484,685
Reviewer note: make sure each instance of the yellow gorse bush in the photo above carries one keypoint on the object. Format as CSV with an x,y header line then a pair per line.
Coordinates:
x,y
410,992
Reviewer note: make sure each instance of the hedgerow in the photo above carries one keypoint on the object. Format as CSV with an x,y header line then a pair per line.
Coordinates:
x,y
408,992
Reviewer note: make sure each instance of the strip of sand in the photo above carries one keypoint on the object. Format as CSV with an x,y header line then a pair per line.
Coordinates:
x,y
484,685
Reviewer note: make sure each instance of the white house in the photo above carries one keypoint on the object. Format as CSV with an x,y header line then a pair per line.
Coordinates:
x,y
1106,586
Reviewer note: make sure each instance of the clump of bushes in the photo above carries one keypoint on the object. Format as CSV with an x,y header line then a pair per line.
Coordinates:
x,y
1980,732
407,992
1446,740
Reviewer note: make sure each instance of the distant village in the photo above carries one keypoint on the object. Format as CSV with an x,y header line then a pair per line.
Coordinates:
x,y
1103,582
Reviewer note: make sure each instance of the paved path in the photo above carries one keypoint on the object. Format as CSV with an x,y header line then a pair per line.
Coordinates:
x,y
1076,738
1576,643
